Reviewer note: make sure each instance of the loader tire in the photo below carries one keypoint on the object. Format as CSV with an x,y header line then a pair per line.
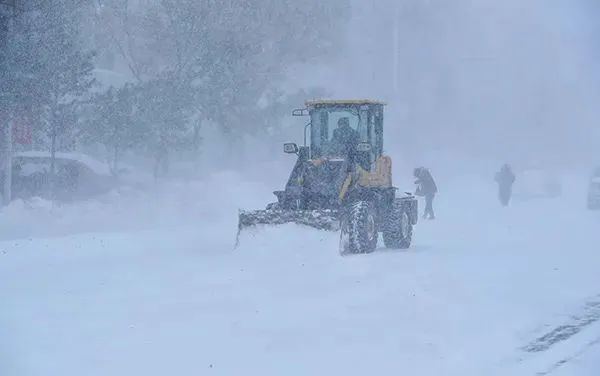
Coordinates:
x,y
397,229
359,229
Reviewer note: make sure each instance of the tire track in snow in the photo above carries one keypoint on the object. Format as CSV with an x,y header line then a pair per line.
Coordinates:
x,y
569,358
589,315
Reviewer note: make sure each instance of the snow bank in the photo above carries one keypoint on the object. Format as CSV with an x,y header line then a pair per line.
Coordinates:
x,y
166,204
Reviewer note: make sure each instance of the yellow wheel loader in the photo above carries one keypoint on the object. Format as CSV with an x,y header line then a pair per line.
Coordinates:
x,y
342,181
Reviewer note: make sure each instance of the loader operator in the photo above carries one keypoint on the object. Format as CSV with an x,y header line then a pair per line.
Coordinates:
x,y
344,139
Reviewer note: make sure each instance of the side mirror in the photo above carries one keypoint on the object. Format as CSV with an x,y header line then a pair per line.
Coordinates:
x,y
300,112
290,148
363,147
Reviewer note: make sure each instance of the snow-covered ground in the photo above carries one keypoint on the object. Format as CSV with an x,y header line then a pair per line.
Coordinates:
x,y
150,284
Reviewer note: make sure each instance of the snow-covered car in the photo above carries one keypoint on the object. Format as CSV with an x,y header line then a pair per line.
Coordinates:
x,y
78,176
537,183
593,199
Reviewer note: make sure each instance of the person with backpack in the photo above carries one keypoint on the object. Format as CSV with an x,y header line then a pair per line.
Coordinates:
x,y
427,188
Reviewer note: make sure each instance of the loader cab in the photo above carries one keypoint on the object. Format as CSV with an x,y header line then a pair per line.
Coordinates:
x,y
337,126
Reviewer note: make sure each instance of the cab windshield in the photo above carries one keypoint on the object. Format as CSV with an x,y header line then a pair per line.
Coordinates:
x,y
336,130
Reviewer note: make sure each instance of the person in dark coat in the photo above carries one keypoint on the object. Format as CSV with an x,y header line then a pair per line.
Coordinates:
x,y
505,179
344,139
427,188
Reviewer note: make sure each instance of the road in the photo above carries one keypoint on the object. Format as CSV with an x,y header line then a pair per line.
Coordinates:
x,y
479,285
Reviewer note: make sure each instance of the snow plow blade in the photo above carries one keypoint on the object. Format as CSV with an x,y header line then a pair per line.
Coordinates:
x,y
323,219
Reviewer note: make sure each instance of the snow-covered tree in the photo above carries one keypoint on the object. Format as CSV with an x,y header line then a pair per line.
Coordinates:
x,y
112,121
44,67
196,61
232,52
165,110
66,71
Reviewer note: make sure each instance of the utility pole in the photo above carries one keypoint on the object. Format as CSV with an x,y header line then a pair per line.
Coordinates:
x,y
8,151
8,129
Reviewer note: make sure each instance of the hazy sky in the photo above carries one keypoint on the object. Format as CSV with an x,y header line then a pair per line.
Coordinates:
x,y
509,80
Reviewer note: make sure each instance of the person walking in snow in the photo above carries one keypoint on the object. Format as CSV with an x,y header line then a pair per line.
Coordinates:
x,y
505,179
427,188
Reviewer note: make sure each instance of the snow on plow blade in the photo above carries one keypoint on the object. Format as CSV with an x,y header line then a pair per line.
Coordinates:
x,y
323,219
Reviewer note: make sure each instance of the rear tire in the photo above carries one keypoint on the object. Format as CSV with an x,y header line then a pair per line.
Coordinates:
x,y
359,229
397,229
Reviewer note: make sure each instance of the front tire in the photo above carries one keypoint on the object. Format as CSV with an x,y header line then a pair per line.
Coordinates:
x,y
359,229
397,231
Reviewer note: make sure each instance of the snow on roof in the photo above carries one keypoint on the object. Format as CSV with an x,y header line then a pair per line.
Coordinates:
x,y
95,165
319,102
